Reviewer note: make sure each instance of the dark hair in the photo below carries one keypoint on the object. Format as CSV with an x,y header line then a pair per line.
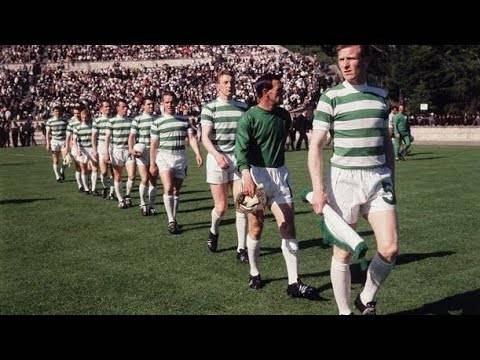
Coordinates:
x,y
170,93
57,107
122,101
264,82
365,49
224,72
147,98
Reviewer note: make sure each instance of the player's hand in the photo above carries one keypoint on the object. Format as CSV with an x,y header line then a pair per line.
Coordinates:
x,y
154,170
248,183
318,201
199,160
222,162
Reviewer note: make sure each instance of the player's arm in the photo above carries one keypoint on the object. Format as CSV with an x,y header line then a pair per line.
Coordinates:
x,y
75,142
94,137
323,118
108,136
68,139
242,143
132,137
154,136
153,156
196,149
315,167
47,135
207,143
389,156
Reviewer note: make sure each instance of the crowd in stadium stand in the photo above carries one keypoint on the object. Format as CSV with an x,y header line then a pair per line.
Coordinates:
x,y
80,53
28,94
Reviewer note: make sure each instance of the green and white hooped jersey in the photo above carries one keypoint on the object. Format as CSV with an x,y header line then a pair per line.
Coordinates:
x,y
84,135
141,128
58,128
357,116
223,117
99,127
119,128
72,123
171,132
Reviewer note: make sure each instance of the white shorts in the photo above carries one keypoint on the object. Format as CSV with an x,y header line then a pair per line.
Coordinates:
x,y
56,145
102,149
120,157
177,163
216,175
275,183
364,191
85,155
144,160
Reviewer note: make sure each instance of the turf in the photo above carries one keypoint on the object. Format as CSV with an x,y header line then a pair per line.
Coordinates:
x,y
63,252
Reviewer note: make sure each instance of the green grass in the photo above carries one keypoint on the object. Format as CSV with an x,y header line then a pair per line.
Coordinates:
x,y
67,253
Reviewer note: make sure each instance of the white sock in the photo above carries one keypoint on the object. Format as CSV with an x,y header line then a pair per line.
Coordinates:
x,y
94,180
129,187
110,182
77,177
215,222
118,190
141,192
152,193
102,179
289,251
84,180
241,223
168,202
341,284
55,170
176,201
376,275
253,247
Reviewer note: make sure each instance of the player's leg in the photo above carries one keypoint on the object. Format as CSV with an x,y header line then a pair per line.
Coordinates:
x,y
117,180
344,201
396,147
131,170
166,176
216,177
63,165
177,186
220,199
241,224
84,170
94,167
152,193
255,228
385,227
142,188
55,161
285,216
407,143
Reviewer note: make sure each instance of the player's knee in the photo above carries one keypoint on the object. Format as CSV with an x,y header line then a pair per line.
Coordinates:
x,y
221,209
389,253
341,256
290,245
255,231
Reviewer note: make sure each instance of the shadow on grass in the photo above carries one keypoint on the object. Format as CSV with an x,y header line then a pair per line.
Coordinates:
x,y
13,164
428,158
23,201
204,225
359,276
467,303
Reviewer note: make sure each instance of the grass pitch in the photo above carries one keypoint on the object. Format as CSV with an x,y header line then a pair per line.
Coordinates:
x,y
67,253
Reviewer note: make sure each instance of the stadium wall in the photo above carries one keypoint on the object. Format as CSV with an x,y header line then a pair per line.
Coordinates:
x,y
452,135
